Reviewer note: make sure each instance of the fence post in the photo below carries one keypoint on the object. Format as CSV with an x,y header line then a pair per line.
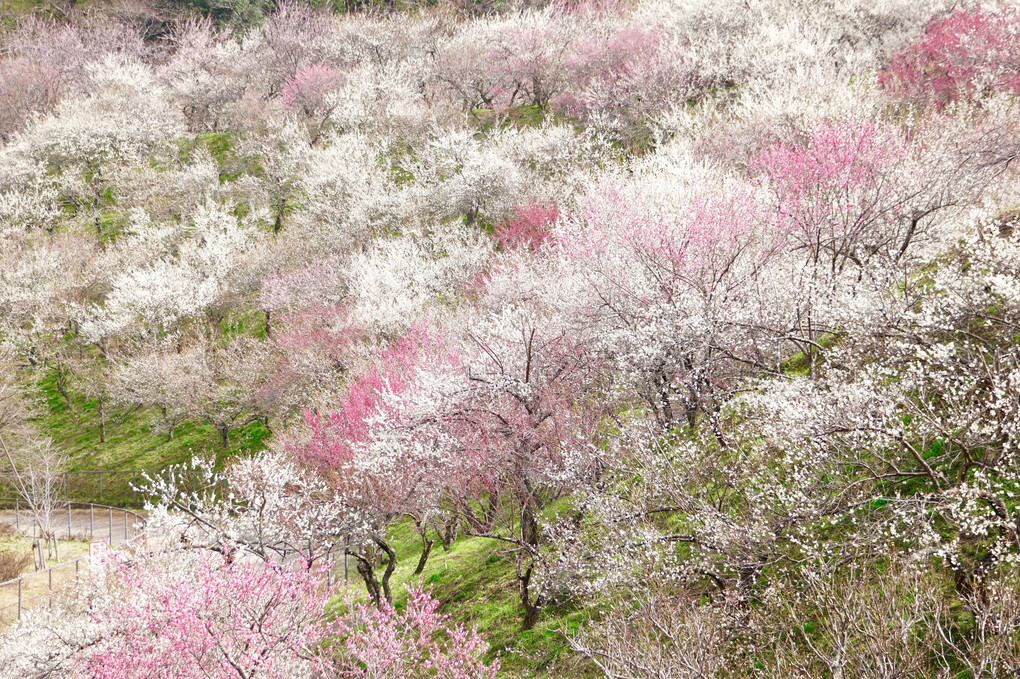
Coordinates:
x,y
68,520
50,573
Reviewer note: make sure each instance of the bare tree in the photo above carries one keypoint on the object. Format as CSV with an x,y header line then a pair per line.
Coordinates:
x,y
36,471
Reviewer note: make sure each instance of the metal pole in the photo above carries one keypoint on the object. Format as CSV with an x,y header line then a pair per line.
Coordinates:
x,y
68,520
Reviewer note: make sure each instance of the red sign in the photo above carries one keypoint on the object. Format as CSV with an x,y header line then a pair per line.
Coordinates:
x,y
96,551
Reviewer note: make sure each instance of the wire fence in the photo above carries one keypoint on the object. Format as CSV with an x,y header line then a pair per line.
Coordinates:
x,y
76,521
79,520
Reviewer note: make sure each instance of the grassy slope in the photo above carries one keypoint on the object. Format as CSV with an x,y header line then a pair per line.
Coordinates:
x,y
130,443
476,584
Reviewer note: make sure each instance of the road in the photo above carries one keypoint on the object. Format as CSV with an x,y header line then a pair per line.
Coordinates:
x,y
116,526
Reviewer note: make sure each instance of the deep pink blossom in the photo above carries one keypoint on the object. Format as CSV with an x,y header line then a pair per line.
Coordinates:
x,y
528,227
965,55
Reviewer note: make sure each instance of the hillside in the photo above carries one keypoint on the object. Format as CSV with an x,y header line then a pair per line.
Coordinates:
x,y
511,338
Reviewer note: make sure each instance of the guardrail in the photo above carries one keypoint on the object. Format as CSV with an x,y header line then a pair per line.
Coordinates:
x,y
77,520
23,592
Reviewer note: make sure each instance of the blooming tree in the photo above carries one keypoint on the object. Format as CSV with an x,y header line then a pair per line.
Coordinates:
x,y
963,56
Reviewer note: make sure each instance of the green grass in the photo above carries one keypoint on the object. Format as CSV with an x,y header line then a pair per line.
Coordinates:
x,y
476,585
69,549
14,9
130,443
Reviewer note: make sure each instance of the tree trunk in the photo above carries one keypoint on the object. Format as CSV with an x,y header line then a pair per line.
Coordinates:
x,y
61,379
492,510
391,564
367,574
102,419
530,537
448,534
532,608
426,549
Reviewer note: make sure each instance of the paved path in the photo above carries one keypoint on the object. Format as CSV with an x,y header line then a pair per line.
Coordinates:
x,y
116,526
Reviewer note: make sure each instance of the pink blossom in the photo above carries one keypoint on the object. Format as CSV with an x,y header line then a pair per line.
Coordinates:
x,y
203,618
417,641
528,227
962,56
310,85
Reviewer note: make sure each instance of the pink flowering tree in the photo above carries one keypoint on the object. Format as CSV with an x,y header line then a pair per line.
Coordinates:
x,y
374,460
487,430
529,60
206,617
671,297
183,615
379,641
961,57
526,419
26,87
842,195
610,75
618,81
528,227
856,202
316,346
514,418
309,93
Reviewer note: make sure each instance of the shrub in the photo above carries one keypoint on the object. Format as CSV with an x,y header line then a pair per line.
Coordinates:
x,y
12,564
